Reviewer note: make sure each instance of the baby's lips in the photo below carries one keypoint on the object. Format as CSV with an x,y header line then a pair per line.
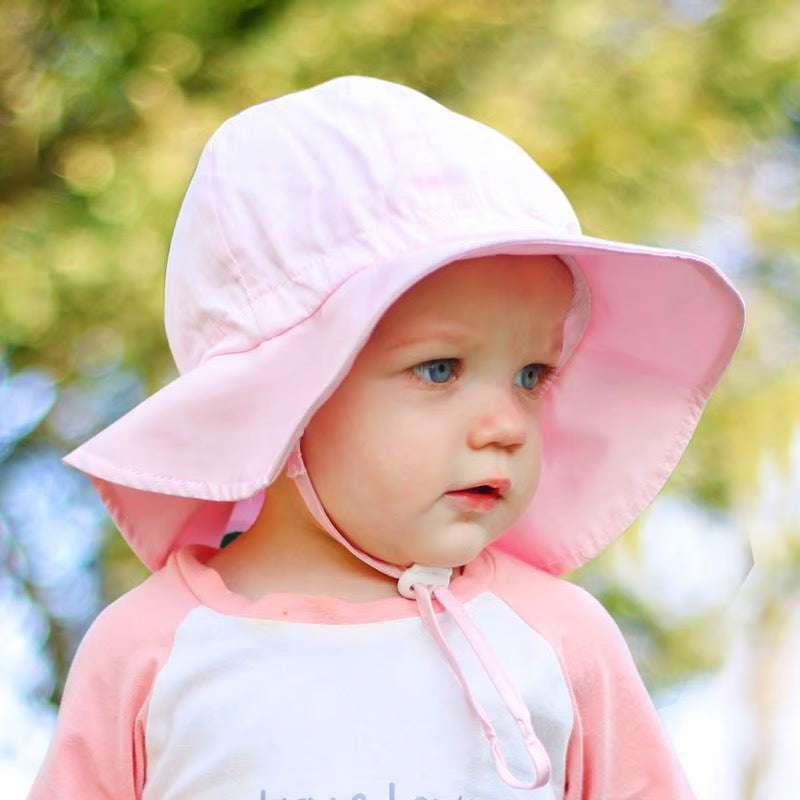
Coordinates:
x,y
497,487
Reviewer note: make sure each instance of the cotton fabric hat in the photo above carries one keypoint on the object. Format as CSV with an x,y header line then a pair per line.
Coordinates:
x,y
306,218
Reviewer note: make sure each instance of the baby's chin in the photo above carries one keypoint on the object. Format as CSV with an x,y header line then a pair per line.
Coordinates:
x,y
455,549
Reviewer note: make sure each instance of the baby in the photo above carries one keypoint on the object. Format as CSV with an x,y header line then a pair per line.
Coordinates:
x,y
385,315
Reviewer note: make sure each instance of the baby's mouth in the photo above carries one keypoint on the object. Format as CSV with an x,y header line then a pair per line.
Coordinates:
x,y
483,488
481,495
496,487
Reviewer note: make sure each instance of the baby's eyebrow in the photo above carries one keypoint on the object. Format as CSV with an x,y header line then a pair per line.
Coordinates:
x,y
435,333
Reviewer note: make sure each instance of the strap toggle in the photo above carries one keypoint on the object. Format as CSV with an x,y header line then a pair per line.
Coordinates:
x,y
427,576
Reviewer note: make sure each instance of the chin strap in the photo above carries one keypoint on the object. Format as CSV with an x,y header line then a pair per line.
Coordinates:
x,y
424,584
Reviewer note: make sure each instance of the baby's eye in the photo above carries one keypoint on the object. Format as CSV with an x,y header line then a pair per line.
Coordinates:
x,y
440,370
530,376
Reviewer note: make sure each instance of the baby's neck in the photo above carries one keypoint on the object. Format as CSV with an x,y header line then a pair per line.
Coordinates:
x,y
255,565
286,552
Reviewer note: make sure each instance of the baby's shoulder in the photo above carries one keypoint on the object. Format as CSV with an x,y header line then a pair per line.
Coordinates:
x,y
513,576
140,622
566,614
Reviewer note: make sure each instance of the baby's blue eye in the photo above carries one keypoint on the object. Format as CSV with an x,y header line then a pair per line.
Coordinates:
x,y
439,371
528,377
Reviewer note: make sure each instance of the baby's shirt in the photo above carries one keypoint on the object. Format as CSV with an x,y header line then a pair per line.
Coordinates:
x,y
183,689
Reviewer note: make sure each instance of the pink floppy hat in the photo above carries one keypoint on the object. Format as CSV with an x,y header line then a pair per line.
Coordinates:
x,y
306,218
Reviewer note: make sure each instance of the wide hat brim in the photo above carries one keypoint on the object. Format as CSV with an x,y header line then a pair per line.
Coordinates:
x,y
663,327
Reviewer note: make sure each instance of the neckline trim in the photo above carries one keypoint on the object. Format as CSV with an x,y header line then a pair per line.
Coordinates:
x,y
207,585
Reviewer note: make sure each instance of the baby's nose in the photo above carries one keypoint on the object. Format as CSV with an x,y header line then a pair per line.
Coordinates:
x,y
500,420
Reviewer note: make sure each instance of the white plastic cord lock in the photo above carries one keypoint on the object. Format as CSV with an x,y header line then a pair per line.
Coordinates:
x,y
419,573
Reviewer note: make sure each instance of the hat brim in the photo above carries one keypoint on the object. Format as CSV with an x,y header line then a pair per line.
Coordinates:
x,y
663,327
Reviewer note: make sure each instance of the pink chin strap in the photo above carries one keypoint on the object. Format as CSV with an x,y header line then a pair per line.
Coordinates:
x,y
422,584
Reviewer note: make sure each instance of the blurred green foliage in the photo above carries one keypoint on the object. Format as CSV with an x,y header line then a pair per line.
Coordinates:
x,y
665,122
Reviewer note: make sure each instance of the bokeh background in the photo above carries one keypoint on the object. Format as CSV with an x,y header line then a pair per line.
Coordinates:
x,y
671,122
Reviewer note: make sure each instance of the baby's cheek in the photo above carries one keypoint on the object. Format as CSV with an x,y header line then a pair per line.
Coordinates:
x,y
400,482
529,482
403,441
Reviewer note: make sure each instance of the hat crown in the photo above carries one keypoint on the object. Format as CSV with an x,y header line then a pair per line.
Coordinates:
x,y
293,196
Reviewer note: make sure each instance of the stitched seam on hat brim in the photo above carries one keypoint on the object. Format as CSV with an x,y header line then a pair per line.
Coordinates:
x,y
110,473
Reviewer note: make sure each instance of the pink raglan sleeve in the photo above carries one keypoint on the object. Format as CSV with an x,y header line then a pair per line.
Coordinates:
x,y
97,751
618,749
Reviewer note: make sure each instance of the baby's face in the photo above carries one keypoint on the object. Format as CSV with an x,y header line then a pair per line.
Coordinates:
x,y
429,450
